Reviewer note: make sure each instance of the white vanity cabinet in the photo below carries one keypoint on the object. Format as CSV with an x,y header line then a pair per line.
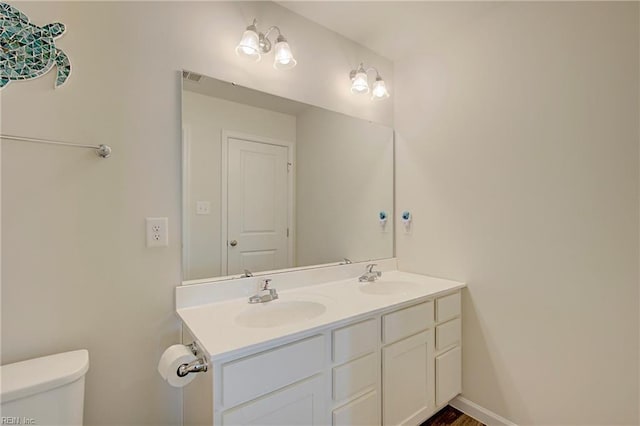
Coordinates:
x,y
355,374
448,352
282,386
407,365
395,367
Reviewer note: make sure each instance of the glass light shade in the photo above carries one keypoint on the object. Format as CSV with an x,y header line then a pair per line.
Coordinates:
x,y
248,46
359,83
284,58
379,91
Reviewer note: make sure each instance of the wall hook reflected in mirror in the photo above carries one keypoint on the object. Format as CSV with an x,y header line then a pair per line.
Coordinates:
x,y
382,217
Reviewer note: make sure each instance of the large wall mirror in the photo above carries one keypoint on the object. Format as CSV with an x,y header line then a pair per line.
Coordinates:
x,y
271,184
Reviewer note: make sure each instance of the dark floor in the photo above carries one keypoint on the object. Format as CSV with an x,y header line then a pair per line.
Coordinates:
x,y
449,416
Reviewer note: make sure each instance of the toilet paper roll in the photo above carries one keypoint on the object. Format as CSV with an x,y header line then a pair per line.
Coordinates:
x,y
173,358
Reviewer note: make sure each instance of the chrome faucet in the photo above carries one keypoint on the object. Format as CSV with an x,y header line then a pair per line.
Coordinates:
x,y
264,294
370,275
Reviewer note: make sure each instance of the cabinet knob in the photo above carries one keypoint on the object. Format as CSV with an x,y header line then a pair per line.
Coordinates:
x,y
233,243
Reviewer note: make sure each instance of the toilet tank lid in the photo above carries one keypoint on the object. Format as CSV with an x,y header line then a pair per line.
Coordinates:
x,y
37,375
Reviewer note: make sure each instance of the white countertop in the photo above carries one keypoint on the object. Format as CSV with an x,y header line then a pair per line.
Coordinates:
x,y
214,324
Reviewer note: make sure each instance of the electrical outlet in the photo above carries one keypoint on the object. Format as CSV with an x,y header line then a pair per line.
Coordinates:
x,y
157,232
203,207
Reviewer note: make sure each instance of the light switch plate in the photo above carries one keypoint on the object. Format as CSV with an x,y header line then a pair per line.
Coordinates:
x,y
157,232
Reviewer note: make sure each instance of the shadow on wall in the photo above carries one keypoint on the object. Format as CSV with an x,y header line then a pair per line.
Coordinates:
x,y
476,342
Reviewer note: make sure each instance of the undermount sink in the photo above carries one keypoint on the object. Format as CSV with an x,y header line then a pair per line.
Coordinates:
x,y
279,312
388,287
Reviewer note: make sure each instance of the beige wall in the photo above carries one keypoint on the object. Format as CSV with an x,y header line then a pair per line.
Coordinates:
x,y
76,272
204,118
344,178
518,157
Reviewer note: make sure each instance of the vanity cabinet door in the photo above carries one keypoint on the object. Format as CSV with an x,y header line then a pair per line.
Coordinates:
x,y
301,404
448,375
407,380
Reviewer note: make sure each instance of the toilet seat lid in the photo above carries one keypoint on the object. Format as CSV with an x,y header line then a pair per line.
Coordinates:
x,y
26,378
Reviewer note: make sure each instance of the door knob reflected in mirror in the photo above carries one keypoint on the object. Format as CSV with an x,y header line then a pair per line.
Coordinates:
x,y
233,243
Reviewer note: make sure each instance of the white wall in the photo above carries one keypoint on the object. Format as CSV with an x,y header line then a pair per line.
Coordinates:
x,y
518,157
344,178
204,118
76,272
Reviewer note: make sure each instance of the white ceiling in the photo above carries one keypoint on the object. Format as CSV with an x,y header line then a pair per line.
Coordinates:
x,y
394,29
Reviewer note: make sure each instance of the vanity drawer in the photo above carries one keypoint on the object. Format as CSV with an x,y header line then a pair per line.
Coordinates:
x,y
448,334
363,411
448,307
406,322
259,374
355,376
302,403
354,340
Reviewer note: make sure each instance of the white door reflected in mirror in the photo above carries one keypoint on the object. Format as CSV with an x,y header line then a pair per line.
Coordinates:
x,y
257,209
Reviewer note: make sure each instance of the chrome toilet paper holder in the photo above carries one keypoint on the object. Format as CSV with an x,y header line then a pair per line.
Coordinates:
x,y
198,365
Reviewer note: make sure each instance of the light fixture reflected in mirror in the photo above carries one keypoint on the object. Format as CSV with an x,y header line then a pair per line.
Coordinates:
x,y
360,83
253,44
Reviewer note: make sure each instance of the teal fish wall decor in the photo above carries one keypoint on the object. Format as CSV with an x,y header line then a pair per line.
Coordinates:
x,y
28,51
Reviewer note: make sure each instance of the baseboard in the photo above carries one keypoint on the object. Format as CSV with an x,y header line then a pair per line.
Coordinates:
x,y
479,413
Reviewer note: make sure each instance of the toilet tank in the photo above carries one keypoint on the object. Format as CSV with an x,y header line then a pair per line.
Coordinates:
x,y
44,391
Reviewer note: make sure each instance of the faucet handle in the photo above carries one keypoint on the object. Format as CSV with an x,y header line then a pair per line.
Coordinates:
x,y
265,284
371,266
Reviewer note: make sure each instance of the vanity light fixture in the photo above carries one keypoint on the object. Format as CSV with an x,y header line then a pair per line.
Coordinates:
x,y
360,83
254,44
